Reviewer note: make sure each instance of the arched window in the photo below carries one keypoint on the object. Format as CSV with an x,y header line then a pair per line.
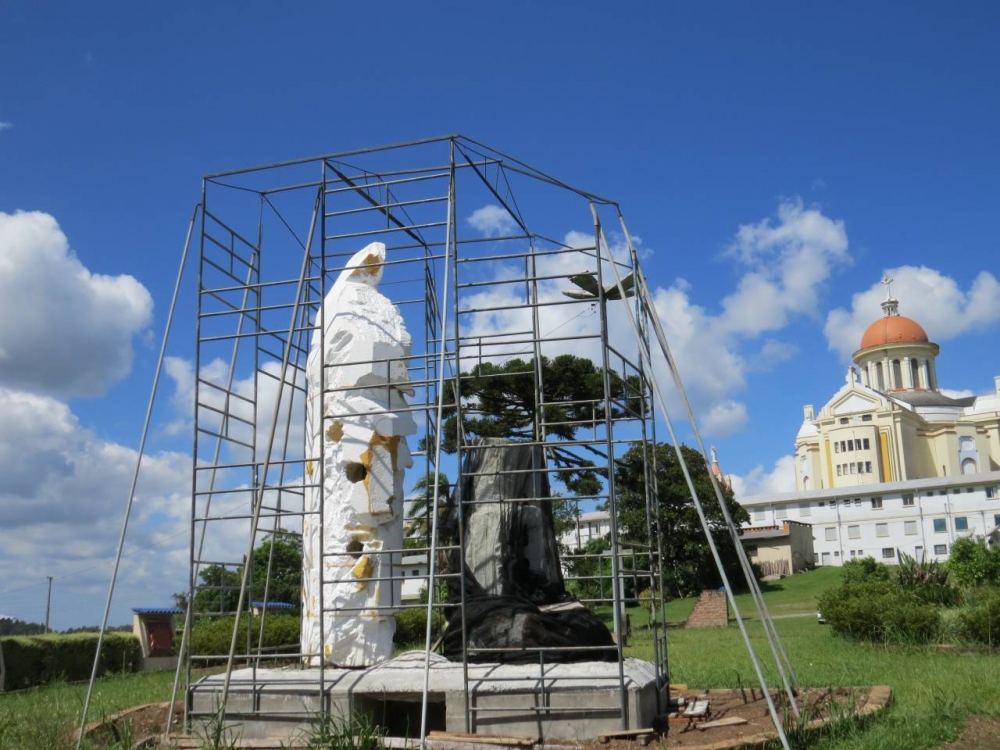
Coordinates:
x,y
897,374
915,373
880,376
969,466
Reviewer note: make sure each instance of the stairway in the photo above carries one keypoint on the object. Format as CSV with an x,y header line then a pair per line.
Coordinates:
x,y
710,611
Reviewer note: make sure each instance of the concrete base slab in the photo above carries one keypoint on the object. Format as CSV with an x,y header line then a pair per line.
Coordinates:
x,y
559,701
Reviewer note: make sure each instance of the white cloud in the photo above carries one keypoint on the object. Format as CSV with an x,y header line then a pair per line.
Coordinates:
x,y
760,482
724,417
934,300
265,384
63,329
492,221
6,126
61,505
784,263
787,263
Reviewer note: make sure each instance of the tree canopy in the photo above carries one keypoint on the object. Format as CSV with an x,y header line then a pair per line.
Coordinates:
x,y
218,589
500,400
687,559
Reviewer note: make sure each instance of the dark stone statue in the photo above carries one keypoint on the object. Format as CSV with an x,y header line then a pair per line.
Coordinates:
x,y
515,595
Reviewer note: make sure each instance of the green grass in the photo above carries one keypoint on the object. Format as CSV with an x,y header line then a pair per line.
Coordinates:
x,y
933,691
45,717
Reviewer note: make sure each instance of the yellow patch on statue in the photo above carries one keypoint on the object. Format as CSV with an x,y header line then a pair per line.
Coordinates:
x,y
363,570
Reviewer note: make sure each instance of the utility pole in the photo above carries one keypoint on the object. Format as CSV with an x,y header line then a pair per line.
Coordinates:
x,y
48,604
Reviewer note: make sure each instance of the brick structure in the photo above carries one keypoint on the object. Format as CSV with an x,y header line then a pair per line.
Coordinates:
x,y
711,610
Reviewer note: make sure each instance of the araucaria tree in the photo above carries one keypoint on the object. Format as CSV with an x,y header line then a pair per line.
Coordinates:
x,y
687,561
500,400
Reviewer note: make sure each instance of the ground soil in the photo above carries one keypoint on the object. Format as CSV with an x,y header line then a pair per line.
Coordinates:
x,y
979,733
747,704
143,722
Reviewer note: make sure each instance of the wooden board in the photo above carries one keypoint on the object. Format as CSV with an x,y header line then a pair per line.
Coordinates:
x,y
728,721
642,736
483,739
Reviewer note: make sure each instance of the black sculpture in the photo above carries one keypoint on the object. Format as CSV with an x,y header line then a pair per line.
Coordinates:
x,y
515,597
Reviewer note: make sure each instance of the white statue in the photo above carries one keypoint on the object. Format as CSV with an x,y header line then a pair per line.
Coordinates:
x,y
358,428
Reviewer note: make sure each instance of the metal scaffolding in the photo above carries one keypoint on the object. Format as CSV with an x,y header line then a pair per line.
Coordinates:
x,y
477,288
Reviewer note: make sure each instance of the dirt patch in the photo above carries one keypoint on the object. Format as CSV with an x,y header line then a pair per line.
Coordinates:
x,y
979,733
816,705
139,723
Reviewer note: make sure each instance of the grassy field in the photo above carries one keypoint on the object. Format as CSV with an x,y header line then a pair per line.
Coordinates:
x,y
44,718
933,692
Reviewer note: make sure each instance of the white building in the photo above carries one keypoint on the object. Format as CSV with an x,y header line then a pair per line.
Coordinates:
x,y
413,569
921,517
586,526
890,463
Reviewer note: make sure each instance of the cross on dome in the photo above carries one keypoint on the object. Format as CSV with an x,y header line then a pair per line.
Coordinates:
x,y
887,283
890,306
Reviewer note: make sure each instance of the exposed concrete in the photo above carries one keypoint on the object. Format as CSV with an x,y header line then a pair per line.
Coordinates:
x,y
580,700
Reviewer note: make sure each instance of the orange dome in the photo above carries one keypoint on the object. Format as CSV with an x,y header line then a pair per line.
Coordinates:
x,y
893,329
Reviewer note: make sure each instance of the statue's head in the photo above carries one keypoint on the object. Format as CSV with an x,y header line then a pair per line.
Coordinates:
x,y
365,266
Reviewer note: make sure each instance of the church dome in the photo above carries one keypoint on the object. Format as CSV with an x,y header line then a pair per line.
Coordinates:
x,y
893,329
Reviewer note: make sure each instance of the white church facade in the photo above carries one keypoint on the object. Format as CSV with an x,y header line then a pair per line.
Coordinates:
x,y
891,464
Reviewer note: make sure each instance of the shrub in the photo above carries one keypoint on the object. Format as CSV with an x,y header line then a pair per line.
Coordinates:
x,y
974,563
214,635
981,618
879,611
39,659
928,579
863,570
411,626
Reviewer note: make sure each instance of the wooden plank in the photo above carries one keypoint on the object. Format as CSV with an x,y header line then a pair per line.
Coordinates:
x,y
626,734
728,721
483,739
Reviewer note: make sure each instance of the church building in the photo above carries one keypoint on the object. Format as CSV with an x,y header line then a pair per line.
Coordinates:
x,y
891,464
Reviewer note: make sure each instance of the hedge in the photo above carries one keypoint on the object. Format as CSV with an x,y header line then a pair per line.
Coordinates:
x,y
981,617
214,635
39,659
879,611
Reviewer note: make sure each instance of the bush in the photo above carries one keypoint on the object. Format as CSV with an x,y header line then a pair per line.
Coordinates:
x,y
411,627
981,618
214,635
879,611
39,659
863,570
974,563
928,579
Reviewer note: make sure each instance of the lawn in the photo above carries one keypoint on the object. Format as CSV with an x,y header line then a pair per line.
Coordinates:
x,y
44,718
933,691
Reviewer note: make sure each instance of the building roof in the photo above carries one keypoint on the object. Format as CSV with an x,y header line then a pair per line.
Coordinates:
x,y
764,532
596,515
157,611
893,329
273,605
931,398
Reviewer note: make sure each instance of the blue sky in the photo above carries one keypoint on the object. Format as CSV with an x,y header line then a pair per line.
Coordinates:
x,y
844,140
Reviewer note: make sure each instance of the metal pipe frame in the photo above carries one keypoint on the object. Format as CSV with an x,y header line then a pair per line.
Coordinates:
x,y
253,293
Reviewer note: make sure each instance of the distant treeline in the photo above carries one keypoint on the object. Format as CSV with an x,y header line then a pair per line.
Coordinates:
x,y
20,627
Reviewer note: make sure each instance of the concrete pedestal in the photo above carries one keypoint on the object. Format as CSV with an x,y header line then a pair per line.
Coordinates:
x,y
563,701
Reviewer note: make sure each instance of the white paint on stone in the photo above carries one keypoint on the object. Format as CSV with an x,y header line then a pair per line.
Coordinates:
x,y
358,430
